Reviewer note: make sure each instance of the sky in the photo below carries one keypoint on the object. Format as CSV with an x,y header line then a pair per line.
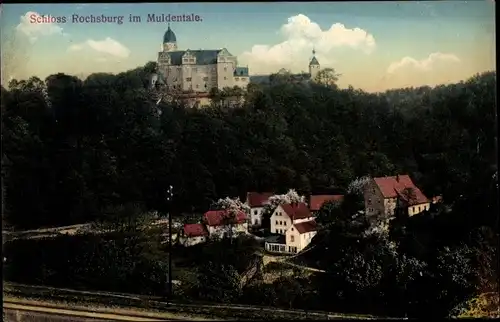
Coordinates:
x,y
373,45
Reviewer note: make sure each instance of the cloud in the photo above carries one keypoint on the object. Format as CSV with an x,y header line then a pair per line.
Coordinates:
x,y
301,36
423,65
34,30
108,46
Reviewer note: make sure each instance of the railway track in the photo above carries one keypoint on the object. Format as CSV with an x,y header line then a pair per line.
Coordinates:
x,y
80,313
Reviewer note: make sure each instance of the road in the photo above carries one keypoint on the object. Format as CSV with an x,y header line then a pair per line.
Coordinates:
x,y
14,312
18,316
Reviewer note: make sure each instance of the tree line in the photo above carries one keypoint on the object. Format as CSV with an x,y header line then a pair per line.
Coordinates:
x,y
73,147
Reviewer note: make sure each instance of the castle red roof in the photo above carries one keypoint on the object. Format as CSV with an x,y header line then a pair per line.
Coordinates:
x,y
306,226
393,187
257,199
195,230
216,217
299,211
317,201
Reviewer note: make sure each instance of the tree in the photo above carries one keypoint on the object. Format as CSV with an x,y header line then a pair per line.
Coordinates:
x,y
327,77
219,283
232,208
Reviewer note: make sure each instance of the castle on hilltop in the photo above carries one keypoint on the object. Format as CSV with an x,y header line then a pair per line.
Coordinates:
x,y
198,71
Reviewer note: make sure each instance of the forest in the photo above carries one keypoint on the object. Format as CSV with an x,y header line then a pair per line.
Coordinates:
x,y
74,150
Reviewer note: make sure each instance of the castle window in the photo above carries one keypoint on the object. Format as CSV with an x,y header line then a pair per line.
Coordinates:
x,y
188,79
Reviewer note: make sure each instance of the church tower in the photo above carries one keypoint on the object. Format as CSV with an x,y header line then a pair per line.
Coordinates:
x,y
314,66
169,40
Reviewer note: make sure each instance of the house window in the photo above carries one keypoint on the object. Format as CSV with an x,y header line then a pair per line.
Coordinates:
x,y
292,239
205,79
292,228
188,79
236,78
276,222
191,60
255,212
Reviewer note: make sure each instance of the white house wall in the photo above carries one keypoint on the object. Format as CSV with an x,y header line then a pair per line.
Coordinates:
x,y
284,222
280,221
256,216
292,232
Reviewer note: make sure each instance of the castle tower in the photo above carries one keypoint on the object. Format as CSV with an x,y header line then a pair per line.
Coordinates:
x,y
169,40
314,66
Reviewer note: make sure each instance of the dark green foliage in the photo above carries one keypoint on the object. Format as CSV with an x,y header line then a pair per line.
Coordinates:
x,y
122,256
77,151
87,145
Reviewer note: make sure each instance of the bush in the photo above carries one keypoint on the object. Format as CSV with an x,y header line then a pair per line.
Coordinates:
x,y
110,263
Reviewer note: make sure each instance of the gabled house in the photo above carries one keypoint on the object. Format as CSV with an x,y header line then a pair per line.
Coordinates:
x,y
317,201
384,195
221,223
256,201
284,216
295,224
193,234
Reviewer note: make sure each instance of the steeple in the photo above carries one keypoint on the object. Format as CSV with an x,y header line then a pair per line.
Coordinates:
x,y
169,40
313,61
313,66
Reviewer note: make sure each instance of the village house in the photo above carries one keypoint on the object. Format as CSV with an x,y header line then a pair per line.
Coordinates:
x,y
221,223
386,194
256,202
317,201
295,226
193,234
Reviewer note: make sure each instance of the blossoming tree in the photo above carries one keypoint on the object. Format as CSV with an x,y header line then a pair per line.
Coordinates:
x,y
232,207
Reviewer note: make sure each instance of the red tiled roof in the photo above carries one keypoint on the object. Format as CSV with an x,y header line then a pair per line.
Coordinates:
x,y
306,226
299,211
215,217
257,199
392,187
195,230
317,201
